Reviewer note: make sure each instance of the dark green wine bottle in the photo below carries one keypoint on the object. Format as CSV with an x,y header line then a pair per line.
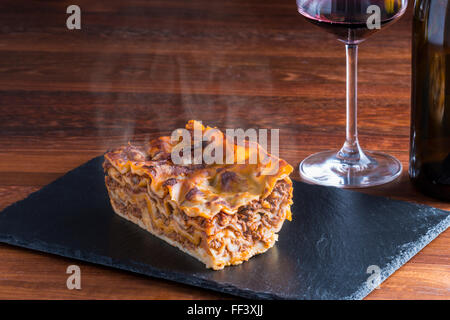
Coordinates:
x,y
429,166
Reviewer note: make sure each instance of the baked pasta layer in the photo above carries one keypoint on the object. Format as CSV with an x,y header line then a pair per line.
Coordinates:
x,y
221,214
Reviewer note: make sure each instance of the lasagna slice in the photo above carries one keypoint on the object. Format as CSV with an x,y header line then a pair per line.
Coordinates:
x,y
222,214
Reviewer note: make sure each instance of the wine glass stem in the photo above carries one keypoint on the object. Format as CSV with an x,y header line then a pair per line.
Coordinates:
x,y
351,152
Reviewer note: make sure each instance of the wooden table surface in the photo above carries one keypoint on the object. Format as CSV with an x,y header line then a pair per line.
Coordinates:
x,y
138,69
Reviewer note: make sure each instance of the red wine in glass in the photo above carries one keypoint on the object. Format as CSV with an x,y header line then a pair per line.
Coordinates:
x,y
351,21
347,19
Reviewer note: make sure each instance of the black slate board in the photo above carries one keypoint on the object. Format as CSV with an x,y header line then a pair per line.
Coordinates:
x,y
323,253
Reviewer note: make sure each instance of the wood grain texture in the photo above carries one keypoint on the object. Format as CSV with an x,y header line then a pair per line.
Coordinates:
x,y
138,69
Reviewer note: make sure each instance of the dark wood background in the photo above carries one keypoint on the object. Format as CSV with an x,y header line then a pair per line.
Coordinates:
x,y
138,69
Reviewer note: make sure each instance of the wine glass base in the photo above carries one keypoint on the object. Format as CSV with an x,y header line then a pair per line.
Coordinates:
x,y
373,168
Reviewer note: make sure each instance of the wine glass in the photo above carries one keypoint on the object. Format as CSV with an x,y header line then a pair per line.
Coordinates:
x,y
351,21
